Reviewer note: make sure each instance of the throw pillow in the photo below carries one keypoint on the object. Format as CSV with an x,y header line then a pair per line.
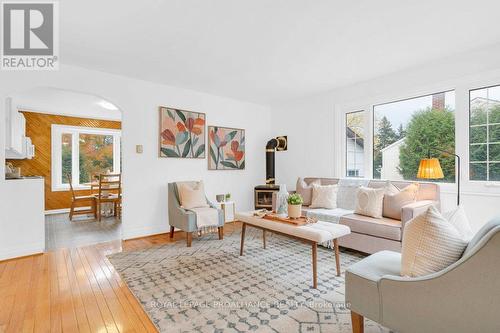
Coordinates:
x,y
460,221
395,199
192,195
369,201
430,244
306,190
324,196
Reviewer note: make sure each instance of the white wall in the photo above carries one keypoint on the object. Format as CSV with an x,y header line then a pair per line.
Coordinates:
x,y
145,176
315,125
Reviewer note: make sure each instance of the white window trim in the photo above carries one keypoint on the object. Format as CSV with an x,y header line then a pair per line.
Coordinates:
x,y
56,172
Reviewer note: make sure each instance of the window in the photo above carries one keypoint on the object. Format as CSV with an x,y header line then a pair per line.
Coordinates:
x,y
405,130
355,144
83,152
484,134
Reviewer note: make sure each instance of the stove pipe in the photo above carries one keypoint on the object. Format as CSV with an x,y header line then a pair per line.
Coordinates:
x,y
270,156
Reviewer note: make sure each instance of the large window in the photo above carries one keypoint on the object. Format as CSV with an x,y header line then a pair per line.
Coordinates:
x,y
83,152
405,130
484,134
355,144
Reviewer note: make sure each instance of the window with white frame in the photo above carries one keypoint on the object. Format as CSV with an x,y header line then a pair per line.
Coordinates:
x,y
484,134
83,152
355,143
408,130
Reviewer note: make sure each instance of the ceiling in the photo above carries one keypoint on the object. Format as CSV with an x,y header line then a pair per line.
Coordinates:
x,y
66,103
269,50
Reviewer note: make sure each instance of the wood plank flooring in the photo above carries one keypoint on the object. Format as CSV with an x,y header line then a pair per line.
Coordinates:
x,y
74,290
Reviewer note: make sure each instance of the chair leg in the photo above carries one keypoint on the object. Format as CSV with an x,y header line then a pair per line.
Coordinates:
x,y
94,208
189,238
337,255
221,232
314,248
99,211
243,229
357,320
71,211
172,232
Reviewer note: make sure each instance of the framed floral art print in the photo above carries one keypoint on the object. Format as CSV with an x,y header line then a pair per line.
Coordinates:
x,y
226,148
182,133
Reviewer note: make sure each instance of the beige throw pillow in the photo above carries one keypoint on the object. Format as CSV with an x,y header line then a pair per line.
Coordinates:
x,y
192,196
369,201
324,196
306,190
430,244
395,199
460,221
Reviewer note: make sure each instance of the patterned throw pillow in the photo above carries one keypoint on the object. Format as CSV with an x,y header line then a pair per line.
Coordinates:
x,y
395,199
306,190
324,196
430,244
369,201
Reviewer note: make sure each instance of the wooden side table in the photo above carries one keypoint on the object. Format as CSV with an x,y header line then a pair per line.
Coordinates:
x,y
229,209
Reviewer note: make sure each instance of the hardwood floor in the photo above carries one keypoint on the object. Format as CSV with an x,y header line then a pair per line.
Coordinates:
x,y
74,290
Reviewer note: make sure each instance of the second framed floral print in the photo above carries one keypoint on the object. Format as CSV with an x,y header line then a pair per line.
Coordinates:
x,y
226,148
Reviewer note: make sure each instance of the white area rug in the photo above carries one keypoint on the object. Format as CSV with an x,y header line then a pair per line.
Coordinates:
x,y
210,288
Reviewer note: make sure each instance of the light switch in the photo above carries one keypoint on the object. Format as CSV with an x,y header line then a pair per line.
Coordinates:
x,y
139,149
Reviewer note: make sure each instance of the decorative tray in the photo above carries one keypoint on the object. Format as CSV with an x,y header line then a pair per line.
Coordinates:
x,y
303,220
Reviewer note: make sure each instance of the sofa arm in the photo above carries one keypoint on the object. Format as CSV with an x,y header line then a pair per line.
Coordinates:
x,y
414,209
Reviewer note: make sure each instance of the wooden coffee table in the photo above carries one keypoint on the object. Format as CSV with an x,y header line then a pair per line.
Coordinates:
x,y
314,234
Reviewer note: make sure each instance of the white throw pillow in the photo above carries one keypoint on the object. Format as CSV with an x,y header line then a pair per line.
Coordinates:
x,y
370,201
192,196
430,244
305,190
324,196
395,199
460,221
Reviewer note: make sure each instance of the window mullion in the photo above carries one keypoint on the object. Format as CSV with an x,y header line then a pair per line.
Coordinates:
x,y
75,161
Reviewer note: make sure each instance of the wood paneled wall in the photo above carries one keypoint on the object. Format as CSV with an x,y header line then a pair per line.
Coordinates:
x,y
38,128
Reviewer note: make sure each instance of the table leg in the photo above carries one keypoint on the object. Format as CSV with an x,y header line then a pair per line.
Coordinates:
x,y
243,229
264,238
314,264
337,255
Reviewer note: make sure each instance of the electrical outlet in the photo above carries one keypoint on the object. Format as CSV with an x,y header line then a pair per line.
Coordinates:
x,y
139,149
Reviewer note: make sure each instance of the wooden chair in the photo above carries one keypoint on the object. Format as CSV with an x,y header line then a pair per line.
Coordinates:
x,y
110,190
75,200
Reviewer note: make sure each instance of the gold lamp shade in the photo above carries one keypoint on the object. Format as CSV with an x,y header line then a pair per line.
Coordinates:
x,y
430,168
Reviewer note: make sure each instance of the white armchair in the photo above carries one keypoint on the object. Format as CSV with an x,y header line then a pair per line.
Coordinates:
x,y
464,297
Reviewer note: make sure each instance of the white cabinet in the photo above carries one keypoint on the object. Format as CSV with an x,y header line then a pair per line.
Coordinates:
x,y
17,145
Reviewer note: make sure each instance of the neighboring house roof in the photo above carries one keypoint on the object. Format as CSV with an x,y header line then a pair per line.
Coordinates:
x,y
482,100
394,144
351,135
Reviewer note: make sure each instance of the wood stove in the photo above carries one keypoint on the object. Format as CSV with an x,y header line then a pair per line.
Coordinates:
x,y
264,193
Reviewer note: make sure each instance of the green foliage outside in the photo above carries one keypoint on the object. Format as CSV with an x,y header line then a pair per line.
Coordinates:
x,y
385,136
429,129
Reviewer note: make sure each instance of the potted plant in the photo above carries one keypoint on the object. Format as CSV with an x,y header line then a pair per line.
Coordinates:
x,y
295,202
228,197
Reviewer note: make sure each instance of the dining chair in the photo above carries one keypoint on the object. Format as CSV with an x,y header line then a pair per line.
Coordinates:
x,y
82,199
109,191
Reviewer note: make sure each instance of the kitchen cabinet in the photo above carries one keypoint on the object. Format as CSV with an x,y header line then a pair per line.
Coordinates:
x,y
17,145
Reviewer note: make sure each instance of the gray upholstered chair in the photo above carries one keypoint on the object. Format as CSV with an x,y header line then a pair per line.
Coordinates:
x,y
464,297
185,220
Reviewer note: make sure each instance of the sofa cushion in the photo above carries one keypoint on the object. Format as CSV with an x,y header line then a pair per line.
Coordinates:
x,y
324,196
306,190
395,199
383,227
370,201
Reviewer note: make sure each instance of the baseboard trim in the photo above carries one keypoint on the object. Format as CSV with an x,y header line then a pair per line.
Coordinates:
x,y
64,210
25,251
144,232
